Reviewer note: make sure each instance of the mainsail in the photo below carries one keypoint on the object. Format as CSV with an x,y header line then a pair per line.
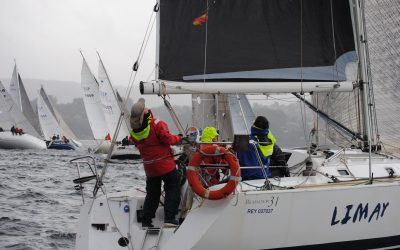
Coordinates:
x,y
11,114
111,107
14,88
27,109
51,110
91,99
21,99
48,122
280,45
275,40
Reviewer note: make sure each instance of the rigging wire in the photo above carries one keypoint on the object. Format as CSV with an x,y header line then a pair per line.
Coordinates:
x,y
143,47
113,219
301,44
334,43
129,89
205,61
371,104
326,104
302,105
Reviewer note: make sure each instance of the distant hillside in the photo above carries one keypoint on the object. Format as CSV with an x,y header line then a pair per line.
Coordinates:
x,y
285,120
65,91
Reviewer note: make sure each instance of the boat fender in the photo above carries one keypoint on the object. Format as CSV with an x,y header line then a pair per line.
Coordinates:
x,y
193,171
126,208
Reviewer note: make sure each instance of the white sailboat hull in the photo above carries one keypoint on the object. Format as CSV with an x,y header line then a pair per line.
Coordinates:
x,y
103,147
119,152
258,220
125,152
25,141
316,213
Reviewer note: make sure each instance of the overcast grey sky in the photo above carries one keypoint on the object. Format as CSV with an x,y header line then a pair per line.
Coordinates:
x,y
45,36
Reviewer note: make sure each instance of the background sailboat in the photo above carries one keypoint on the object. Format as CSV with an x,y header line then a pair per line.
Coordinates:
x,y
111,106
52,125
93,106
10,115
112,109
21,99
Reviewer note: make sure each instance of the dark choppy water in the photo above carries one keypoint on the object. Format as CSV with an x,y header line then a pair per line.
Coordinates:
x,y
39,206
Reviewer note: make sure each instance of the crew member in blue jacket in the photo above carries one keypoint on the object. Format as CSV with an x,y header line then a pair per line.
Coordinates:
x,y
262,142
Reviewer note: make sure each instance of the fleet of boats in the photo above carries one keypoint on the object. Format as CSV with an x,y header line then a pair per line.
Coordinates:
x,y
47,129
12,116
104,109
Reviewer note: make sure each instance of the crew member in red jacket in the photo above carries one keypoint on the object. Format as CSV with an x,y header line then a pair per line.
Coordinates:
x,y
152,138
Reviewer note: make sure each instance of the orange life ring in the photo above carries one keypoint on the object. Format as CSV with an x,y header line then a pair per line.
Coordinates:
x,y
194,168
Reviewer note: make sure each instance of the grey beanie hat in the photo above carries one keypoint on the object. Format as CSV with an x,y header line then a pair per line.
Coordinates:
x,y
137,113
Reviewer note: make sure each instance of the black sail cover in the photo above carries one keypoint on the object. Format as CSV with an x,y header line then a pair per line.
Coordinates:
x,y
255,40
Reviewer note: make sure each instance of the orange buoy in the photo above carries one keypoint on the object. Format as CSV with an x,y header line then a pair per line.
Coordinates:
x,y
193,171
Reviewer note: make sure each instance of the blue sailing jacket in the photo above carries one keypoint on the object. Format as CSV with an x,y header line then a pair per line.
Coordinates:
x,y
249,157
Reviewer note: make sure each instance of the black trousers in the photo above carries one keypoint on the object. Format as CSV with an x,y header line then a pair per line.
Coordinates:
x,y
172,196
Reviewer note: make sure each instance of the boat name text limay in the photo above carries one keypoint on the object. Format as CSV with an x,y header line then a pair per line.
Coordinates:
x,y
358,214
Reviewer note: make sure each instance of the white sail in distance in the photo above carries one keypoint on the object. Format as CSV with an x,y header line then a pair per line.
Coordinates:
x,y
27,108
47,120
20,97
91,99
110,104
65,128
14,88
11,114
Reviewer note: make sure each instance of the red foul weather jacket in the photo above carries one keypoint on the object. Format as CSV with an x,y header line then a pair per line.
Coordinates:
x,y
157,146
